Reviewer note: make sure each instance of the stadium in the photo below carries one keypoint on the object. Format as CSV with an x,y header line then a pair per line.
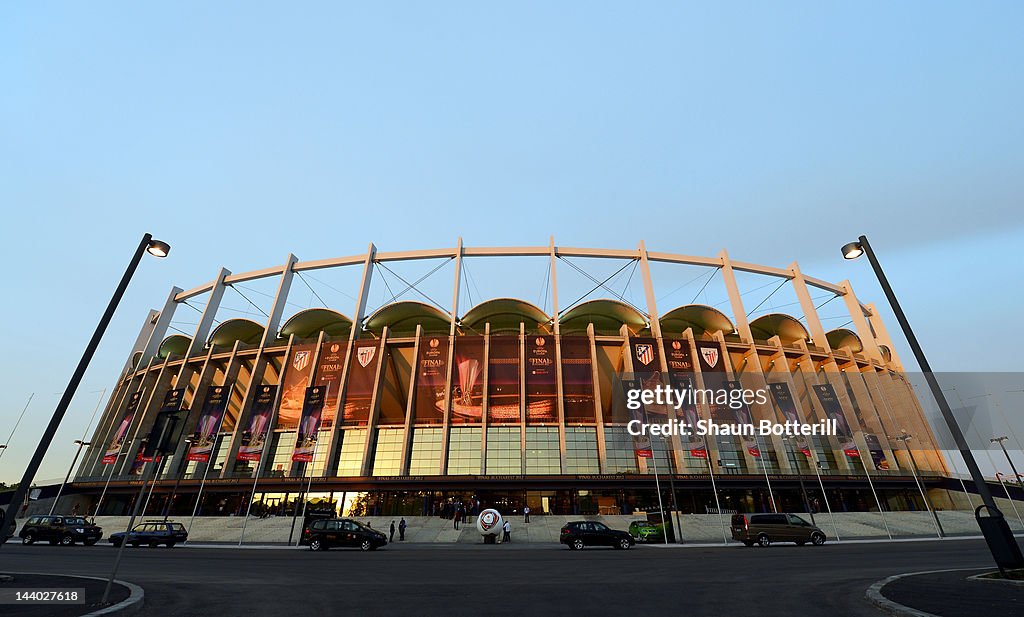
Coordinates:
x,y
412,388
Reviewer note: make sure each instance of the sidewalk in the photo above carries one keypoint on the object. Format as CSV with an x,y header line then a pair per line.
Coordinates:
x,y
947,593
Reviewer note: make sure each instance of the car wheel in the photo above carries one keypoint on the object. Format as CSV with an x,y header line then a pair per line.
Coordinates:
x,y
577,544
366,545
28,539
818,538
316,545
66,540
748,543
764,540
624,544
115,541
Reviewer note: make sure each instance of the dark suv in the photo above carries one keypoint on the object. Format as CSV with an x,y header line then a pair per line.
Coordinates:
x,y
579,534
63,530
763,529
322,534
152,533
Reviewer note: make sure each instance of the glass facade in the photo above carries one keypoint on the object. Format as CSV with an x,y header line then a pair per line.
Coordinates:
x,y
503,450
542,451
464,451
350,454
387,457
581,450
425,458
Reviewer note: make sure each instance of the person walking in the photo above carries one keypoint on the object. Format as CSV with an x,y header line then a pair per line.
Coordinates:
x,y
526,514
401,530
392,538
507,528
455,517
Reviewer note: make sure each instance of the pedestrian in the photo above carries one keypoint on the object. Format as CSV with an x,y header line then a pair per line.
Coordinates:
x,y
401,529
526,514
507,528
392,538
455,518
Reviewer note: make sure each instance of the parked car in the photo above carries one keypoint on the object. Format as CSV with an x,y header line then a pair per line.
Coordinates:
x,y
152,533
323,534
580,534
63,530
646,531
763,529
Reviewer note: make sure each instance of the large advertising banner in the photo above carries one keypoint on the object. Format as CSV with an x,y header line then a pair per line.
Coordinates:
x,y
641,443
255,434
503,380
786,405
431,374
688,413
741,411
329,369
541,388
877,454
121,432
362,371
171,405
834,411
644,354
679,360
296,378
712,368
205,437
468,380
309,425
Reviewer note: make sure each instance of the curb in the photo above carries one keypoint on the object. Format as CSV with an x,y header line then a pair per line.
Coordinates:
x,y
131,605
874,594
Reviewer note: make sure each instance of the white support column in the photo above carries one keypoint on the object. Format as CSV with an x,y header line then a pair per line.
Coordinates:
x,y
364,293
735,300
595,376
158,328
882,336
559,387
803,294
410,405
484,401
860,323
209,313
445,413
284,286
371,421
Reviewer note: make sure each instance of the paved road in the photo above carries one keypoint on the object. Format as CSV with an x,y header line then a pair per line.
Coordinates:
x,y
506,580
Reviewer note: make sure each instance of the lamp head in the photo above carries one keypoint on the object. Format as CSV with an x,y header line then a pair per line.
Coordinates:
x,y
853,250
158,248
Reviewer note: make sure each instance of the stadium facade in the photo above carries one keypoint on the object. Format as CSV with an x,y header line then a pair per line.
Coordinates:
x,y
408,407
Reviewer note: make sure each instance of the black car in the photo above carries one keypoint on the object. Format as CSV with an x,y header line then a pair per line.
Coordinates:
x,y
152,533
579,534
322,534
63,530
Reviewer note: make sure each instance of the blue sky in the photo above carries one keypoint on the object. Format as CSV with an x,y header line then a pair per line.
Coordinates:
x,y
240,132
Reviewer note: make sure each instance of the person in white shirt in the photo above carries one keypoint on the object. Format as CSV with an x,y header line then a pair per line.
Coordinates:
x,y
507,528
526,514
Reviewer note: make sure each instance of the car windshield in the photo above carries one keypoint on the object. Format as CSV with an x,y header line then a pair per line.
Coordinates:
x,y
177,527
74,520
600,527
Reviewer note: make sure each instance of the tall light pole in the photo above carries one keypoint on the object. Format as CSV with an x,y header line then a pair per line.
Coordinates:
x,y
1000,440
3,446
905,440
146,245
998,536
81,444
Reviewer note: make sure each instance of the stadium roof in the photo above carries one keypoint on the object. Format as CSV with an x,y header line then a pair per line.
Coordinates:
x,y
310,322
401,318
606,315
787,328
843,337
701,318
506,314
232,330
176,344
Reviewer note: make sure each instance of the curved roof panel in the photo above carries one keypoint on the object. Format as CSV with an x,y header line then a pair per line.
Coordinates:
x,y
701,318
886,352
245,330
401,318
787,328
606,315
176,344
844,337
506,314
310,322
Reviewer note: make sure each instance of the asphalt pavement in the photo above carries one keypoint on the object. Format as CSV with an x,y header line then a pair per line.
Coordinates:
x,y
507,579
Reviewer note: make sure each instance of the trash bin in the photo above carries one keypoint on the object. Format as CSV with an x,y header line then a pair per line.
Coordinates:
x,y
999,538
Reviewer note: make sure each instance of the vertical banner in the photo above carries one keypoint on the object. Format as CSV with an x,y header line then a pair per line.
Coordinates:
x,y
255,434
644,354
468,380
309,424
712,368
431,374
296,378
877,454
171,405
786,405
688,413
834,411
205,437
362,370
641,443
328,374
679,360
114,449
541,389
741,411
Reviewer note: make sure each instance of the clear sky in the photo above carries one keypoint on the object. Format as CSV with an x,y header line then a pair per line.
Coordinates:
x,y
240,132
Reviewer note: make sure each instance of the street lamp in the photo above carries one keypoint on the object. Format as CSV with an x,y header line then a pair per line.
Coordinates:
x,y
905,440
1000,440
1001,542
81,444
146,245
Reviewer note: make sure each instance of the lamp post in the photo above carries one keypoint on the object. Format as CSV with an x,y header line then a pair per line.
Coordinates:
x,y
81,444
146,245
998,536
1000,440
1000,476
